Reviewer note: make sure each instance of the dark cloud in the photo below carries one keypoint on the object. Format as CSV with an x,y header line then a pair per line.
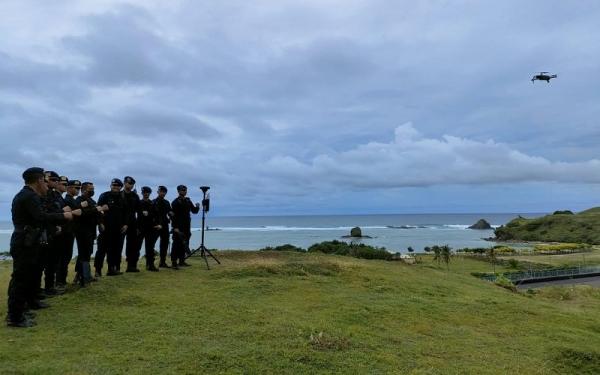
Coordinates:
x,y
277,105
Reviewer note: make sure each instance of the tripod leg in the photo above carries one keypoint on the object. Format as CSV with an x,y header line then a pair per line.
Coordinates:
x,y
203,255
212,256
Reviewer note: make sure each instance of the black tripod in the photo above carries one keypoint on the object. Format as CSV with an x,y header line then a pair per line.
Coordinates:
x,y
202,250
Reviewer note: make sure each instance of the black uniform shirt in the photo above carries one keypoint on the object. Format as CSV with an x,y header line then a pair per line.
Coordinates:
x,y
28,210
163,207
132,205
115,217
147,215
181,210
89,219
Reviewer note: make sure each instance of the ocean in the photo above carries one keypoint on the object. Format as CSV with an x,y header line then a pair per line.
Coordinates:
x,y
394,232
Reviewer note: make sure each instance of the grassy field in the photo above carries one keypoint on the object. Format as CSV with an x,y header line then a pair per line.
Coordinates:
x,y
267,312
568,260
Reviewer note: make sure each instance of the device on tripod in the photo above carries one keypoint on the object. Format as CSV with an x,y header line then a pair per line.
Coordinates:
x,y
202,250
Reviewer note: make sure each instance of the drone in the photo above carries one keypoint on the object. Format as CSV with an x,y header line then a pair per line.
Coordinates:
x,y
543,76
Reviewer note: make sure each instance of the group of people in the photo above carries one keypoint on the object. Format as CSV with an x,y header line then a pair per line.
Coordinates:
x,y
51,213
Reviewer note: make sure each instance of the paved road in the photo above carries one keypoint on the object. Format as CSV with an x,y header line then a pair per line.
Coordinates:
x,y
593,281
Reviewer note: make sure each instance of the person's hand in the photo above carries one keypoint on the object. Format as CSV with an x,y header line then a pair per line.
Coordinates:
x,y
58,229
66,209
100,209
76,212
101,227
124,229
171,214
175,230
68,215
84,204
105,207
145,213
197,204
158,227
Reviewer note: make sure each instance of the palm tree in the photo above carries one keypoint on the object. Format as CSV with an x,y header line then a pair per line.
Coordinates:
x,y
446,253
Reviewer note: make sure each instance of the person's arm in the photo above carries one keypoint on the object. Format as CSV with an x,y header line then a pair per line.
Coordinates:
x,y
175,217
34,208
195,208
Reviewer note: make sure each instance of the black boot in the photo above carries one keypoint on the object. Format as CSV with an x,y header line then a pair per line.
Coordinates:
x,y
174,266
19,321
150,267
164,264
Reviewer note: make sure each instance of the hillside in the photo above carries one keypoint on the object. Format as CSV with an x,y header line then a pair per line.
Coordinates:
x,y
583,227
269,312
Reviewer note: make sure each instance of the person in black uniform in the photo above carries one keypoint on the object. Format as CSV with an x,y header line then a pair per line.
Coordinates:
x,y
85,231
30,220
132,204
149,226
73,187
56,239
182,206
164,214
112,228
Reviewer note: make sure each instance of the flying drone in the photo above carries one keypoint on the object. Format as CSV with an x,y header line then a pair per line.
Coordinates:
x,y
543,76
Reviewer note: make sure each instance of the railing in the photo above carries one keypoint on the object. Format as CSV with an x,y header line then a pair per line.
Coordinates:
x,y
533,275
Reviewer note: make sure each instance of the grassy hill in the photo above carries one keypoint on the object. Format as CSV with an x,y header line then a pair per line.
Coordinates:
x,y
283,312
583,227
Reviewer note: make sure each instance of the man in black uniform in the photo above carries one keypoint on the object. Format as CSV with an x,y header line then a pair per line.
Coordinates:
x,y
73,187
182,206
112,228
164,214
55,204
85,231
30,220
149,226
132,204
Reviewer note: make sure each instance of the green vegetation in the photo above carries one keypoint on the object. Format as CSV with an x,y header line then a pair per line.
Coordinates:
x,y
351,249
562,226
561,248
286,247
292,312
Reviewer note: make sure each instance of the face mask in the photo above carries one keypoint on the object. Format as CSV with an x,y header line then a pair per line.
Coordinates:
x,y
90,193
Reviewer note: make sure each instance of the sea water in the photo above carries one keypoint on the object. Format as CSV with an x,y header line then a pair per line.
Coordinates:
x,y
394,232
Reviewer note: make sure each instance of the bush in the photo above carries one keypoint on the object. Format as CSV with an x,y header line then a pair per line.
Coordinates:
x,y
562,247
286,247
505,283
355,250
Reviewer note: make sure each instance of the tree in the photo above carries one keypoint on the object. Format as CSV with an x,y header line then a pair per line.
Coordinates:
x,y
491,253
437,251
410,249
446,254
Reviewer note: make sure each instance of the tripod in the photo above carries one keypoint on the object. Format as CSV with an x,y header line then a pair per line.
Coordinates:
x,y
202,250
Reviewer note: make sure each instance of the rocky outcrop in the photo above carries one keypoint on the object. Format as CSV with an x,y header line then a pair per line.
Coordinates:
x,y
355,232
481,224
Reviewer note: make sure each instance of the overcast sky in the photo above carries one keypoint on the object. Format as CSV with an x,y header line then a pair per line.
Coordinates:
x,y
304,107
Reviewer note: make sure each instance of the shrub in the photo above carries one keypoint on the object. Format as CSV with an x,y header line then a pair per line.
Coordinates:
x,y
505,283
513,263
355,250
286,247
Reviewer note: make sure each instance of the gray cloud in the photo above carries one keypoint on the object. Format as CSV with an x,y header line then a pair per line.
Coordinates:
x,y
271,103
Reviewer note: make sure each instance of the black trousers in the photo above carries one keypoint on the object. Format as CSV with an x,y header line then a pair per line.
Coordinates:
x,y
148,236
163,234
111,245
181,243
100,253
24,281
133,246
52,259
65,256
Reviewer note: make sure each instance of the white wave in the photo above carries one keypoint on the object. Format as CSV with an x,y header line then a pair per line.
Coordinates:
x,y
272,228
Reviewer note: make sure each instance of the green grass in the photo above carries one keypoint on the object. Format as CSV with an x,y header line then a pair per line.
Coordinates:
x,y
591,258
284,312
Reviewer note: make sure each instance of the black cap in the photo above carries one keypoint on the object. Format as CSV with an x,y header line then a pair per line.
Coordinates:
x,y
162,188
51,174
74,183
64,179
181,187
33,172
116,181
129,180
146,189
